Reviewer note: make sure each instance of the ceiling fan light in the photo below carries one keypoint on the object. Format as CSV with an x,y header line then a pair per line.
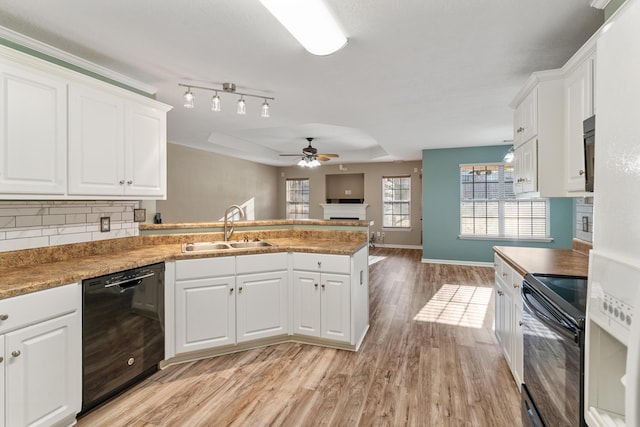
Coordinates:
x,y
242,106
313,163
310,22
302,162
215,103
188,98
264,110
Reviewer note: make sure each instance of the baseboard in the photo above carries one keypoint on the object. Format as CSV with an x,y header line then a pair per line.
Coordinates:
x,y
390,245
457,262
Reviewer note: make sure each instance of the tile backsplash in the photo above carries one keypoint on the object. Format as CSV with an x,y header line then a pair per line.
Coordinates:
x,y
584,218
34,224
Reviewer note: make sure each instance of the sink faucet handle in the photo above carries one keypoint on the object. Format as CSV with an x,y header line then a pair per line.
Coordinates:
x,y
246,238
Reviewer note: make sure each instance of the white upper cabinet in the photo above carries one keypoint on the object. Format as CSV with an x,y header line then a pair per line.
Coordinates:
x,y
116,147
33,131
539,154
56,123
525,124
579,106
96,142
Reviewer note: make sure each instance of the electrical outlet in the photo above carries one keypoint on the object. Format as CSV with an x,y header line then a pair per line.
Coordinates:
x,y
383,234
378,234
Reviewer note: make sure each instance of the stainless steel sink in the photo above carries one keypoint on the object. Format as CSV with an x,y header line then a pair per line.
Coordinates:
x,y
205,247
222,246
259,244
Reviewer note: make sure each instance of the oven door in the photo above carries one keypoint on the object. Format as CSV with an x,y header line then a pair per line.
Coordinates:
x,y
552,362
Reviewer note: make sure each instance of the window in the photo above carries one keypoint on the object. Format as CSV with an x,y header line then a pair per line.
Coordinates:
x,y
489,208
396,201
298,198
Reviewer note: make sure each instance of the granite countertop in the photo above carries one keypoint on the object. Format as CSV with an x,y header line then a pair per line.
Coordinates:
x,y
22,279
543,260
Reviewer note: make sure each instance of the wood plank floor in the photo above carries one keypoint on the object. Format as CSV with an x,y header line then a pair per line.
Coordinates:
x,y
430,358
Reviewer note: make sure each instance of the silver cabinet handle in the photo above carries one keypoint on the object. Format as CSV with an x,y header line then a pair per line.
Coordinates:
x,y
4,316
581,172
521,323
1,359
122,182
319,264
240,290
315,285
231,290
500,293
516,286
130,182
15,353
322,286
504,274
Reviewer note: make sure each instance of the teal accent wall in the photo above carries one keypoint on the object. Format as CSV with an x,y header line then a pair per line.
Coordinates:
x,y
441,208
72,67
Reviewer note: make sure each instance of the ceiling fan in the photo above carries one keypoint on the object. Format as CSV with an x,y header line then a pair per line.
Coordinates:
x,y
309,154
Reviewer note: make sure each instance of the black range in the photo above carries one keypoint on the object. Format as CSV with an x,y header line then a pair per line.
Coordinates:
x,y
554,308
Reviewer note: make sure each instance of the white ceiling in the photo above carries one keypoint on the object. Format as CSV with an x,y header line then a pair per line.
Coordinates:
x,y
415,74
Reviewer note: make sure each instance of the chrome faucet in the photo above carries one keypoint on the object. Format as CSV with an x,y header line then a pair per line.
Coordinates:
x,y
228,232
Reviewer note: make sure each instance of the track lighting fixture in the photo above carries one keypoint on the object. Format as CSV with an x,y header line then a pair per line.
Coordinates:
x,y
216,104
188,98
264,111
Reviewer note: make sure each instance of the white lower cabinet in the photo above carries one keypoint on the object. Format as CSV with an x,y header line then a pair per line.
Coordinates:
x,y
205,303
261,302
228,300
508,316
322,300
41,355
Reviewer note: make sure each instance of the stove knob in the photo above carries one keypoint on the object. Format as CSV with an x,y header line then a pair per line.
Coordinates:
x,y
610,309
622,316
628,320
615,312
605,305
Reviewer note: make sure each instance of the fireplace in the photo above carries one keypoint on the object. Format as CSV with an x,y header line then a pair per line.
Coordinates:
x,y
356,211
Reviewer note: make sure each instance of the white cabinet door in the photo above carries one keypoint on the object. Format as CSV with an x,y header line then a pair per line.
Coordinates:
x,y
579,106
518,345
306,303
33,132
96,142
261,305
43,372
145,151
526,168
205,313
503,319
335,306
525,119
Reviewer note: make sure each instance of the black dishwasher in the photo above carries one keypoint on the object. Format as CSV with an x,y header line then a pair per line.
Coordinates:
x,y
122,331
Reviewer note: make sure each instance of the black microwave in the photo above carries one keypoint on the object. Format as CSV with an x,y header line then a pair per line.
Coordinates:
x,y
589,128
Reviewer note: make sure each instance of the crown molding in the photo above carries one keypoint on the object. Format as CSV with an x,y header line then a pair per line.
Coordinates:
x,y
61,55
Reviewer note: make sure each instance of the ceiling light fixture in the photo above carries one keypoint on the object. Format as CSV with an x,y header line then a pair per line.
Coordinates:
x,y
264,110
216,104
188,98
509,156
242,106
309,161
310,22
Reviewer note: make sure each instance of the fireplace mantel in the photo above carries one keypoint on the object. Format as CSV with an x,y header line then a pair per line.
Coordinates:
x,y
344,211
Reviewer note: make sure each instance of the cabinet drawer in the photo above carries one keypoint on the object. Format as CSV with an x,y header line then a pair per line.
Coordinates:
x,y
205,267
261,262
32,308
322,262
